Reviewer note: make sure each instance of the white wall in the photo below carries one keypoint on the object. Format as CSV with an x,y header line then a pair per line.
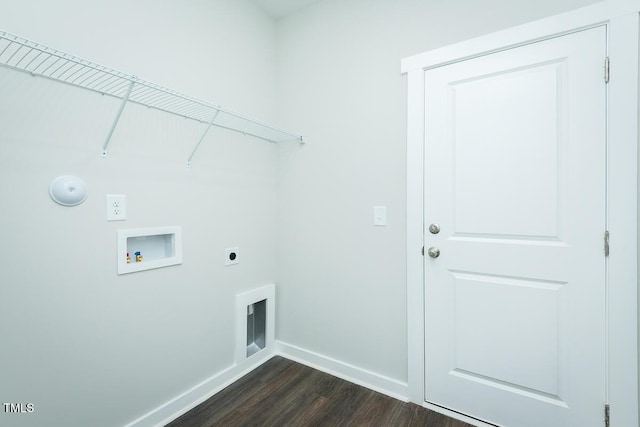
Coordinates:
x,y
88,347
341,288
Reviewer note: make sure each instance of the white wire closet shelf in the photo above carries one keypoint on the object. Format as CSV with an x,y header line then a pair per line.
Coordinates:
x,y
36,59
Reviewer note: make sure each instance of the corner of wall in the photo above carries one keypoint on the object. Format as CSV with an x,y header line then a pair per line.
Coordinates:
x,y
371,380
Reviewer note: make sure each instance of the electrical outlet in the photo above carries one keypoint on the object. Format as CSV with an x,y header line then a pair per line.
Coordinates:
x,y
231,256
116,207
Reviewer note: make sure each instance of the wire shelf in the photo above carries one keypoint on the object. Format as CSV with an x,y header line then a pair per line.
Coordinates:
x,y
24,55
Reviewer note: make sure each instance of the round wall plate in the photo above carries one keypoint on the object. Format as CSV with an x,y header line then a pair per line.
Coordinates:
x,y
68,190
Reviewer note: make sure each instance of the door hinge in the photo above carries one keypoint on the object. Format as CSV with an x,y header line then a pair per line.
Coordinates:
x,y
423,251
606,415
606,69
606,243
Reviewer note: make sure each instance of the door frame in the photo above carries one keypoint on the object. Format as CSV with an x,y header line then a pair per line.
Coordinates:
x,y
622,20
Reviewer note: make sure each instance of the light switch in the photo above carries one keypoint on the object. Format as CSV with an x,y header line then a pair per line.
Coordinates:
x,y
380,215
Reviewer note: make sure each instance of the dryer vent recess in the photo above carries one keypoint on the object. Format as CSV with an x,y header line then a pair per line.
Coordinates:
x,y
256,327
231,256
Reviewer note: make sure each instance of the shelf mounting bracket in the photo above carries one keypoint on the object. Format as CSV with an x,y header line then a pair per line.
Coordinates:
x,y
213,119
118,114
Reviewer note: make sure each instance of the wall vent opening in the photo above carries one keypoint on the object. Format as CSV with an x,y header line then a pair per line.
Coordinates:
x,y
256,327
255,323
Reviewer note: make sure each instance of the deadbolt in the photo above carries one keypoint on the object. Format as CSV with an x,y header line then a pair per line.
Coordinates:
x,y
434,228
433,252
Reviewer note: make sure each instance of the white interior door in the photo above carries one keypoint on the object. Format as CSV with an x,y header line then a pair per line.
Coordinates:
x,y
515,177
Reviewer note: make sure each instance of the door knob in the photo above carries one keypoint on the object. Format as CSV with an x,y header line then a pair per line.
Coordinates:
x,y
433,252
434,228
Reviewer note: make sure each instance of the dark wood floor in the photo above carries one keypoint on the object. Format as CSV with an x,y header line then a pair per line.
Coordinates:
x,y
285,393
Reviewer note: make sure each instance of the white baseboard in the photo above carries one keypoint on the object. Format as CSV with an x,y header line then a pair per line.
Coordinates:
x,y
191,398
370,380
207,388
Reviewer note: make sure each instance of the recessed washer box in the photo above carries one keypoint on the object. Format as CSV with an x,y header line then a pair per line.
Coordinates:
x,y
146,248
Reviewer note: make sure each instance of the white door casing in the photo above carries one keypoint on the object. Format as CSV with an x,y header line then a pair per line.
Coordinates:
x,y
515,177
621,363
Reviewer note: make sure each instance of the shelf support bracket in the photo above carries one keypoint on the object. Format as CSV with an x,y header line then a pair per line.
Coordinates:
x,y
213,119
118,114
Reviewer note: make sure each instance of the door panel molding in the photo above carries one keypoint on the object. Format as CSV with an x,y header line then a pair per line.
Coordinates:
x,y
621,18
518,149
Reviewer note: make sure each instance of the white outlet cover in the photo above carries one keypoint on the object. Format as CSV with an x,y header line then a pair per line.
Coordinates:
x,y
116,207
231,256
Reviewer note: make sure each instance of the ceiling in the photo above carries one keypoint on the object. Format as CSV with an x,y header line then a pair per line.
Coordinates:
x,y
280,8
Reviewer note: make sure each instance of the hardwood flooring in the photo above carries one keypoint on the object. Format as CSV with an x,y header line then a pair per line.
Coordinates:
x,y
285,393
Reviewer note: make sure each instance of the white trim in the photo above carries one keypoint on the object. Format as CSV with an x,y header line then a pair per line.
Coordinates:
x,y
538,30
415,238
622,18
385,385
191,398
623,217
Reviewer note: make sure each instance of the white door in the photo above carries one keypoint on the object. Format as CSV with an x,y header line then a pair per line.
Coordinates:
x,y
515,178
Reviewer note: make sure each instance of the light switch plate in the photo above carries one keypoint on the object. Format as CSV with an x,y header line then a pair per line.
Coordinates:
x,y
380,215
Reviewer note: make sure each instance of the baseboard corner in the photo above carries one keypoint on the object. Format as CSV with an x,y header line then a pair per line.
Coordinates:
x,y
371,380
